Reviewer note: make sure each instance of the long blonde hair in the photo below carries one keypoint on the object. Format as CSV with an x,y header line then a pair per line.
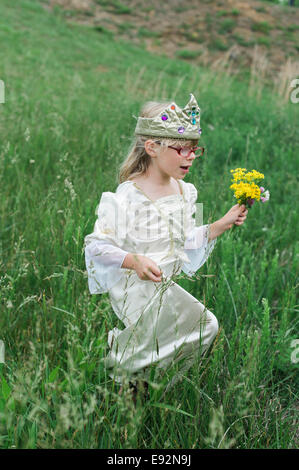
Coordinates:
x,y
137,160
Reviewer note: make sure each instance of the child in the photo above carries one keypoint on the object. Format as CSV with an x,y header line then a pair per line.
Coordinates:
x,y
144,235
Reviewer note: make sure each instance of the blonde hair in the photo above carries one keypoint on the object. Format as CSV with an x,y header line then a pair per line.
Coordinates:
x,y
137,160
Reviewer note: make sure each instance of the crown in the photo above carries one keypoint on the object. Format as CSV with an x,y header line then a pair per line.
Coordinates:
x,y
173,122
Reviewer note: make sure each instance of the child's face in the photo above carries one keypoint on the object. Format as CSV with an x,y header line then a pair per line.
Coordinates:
x,y
170,161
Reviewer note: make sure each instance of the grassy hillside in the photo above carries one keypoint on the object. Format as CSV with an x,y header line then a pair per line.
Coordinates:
x,y
66,124
231,34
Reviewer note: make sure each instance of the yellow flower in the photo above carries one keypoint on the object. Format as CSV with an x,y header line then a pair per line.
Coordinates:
x,y
246,190
244,184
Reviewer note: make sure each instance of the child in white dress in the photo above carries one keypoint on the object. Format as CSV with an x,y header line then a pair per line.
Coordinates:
x,y
144,235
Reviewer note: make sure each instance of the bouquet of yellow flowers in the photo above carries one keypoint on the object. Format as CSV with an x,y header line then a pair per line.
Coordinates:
x,y
246,187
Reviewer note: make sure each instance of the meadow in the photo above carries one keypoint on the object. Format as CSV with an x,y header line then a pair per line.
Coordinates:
x,y
66,125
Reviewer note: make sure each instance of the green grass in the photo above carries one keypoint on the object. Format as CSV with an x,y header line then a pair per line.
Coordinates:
x,y
180,9
293,27
217,44
234,12
101,29
71,93
227,26
282,3
187,54
194,36
222,13
264,41
126,27
116,6
260,9
288,36
208,21
261,27
240,40
147,33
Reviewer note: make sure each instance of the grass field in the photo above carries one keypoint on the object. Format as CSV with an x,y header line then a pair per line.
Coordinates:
x,y
66,124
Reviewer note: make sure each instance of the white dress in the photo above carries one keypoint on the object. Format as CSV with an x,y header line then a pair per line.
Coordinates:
x,y
163,323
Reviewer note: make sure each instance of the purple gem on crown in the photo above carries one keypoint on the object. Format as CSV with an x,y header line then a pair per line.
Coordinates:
x,y
181,130
164,117
199,131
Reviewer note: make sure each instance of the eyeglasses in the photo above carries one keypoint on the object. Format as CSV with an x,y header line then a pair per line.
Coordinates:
x,y
186,152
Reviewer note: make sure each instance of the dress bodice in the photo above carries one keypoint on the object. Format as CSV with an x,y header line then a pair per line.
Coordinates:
x,y
156,228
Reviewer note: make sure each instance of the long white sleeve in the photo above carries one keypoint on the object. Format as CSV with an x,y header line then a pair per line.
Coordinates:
x,y
103,254
197,247
103,263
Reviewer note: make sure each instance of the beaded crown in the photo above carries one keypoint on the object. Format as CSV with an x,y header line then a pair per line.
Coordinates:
x,y
173,122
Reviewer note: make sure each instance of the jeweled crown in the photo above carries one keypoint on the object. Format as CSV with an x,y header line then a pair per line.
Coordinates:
x,y
173,122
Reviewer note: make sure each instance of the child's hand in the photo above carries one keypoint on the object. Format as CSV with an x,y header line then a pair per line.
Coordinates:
x,y
146,269
236,215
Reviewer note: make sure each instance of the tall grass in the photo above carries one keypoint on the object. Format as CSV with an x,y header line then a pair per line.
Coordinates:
x,y
71,93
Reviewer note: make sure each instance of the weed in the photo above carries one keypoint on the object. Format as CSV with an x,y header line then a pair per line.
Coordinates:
x,y
217,44
125,27
241,41
194,36
260,9
261,27
264,41
147,33
116,6
102,29
187,54
293,27
222,13
226,26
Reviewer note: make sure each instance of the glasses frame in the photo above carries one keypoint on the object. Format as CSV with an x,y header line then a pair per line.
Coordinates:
x,y
193,150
